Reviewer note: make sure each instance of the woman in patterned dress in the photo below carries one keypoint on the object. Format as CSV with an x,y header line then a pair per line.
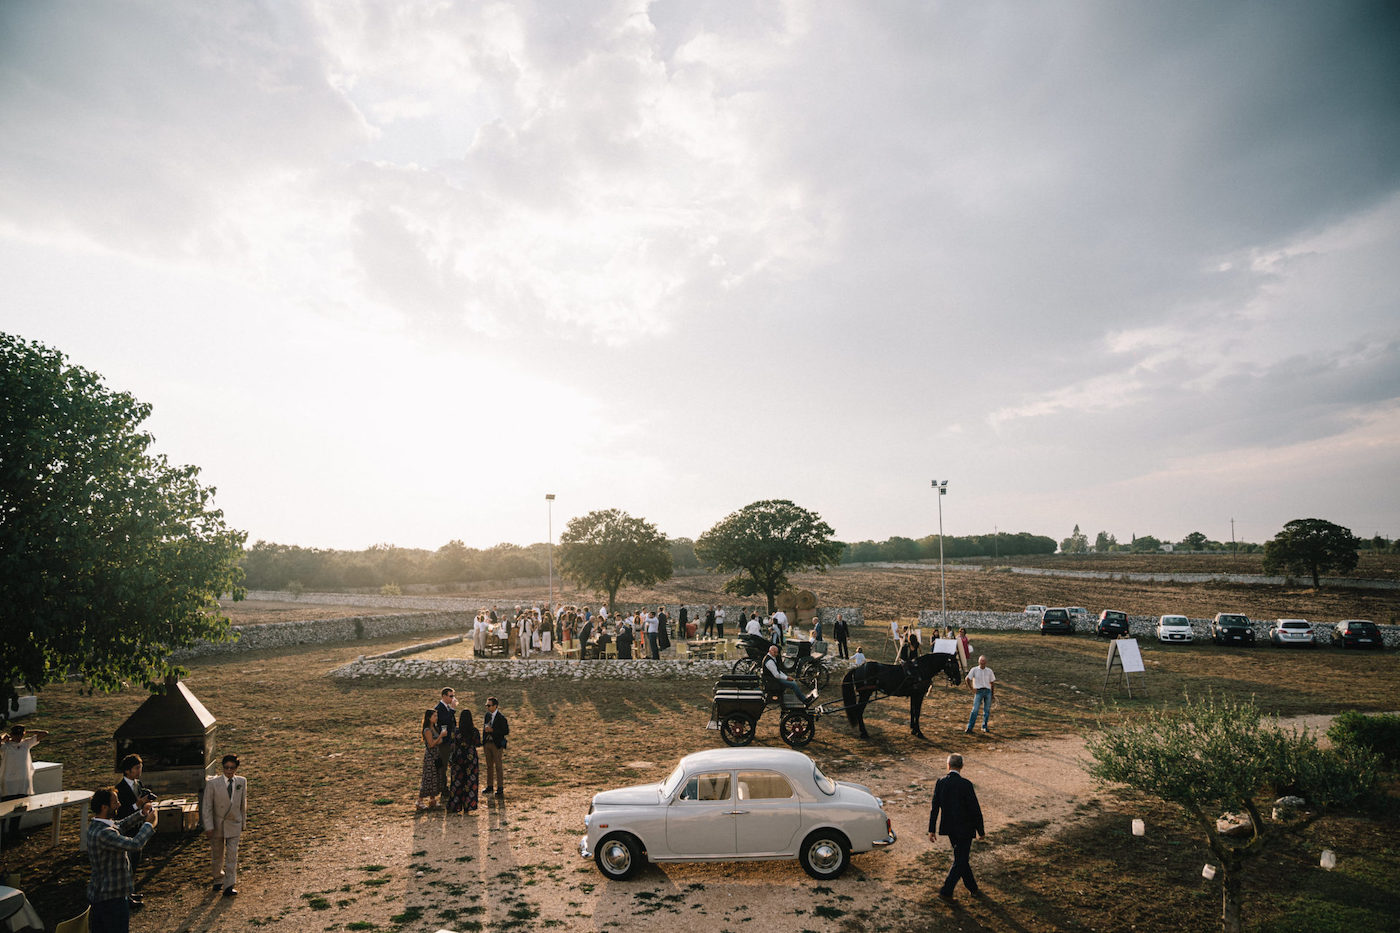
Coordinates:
x,y
428,786
466,767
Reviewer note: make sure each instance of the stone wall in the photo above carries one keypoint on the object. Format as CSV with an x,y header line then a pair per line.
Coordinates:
x,y
497,669
319,631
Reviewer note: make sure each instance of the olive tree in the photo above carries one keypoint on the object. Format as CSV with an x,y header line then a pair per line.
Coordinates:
x,y
1312,547
1214,756
764,542
110,557
603,550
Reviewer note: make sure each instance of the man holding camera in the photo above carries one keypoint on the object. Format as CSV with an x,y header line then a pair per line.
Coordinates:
x,y
110,842
132,796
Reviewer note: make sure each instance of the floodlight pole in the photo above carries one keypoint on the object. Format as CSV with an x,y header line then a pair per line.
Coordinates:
x,y
942,487
549,499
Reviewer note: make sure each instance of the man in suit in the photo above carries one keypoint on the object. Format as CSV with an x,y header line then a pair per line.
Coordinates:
x,y
131,798
494,730
842,631
956,798
225,808
446,710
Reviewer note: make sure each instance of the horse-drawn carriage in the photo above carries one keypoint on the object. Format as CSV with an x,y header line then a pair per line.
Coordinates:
x,y
739,701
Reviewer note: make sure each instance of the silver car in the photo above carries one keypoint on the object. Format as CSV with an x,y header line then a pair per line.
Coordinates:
x,y
736,804
1292,632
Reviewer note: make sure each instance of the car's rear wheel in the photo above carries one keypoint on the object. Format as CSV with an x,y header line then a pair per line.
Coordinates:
x,y
619,856
737,729
797,727
825,854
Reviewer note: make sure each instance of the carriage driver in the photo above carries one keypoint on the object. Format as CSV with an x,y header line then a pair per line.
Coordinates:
x,y
774,671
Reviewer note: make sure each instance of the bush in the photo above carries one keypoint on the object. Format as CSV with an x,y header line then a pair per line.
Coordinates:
x,y
1378,734
390,589
295,588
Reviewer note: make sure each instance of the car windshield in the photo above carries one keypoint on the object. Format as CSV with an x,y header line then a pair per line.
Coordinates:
x,y
674,781
1173,620
1233,620
825,784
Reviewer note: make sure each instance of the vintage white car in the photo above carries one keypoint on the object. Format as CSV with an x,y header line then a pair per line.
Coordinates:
x,y
732,804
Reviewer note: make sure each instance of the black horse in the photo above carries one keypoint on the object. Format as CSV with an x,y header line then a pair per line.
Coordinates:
x,y
898,681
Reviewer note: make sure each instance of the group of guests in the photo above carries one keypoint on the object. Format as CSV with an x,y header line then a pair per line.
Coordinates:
x,y
451,763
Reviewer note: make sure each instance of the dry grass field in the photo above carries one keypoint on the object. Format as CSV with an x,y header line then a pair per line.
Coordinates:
x,y
334,843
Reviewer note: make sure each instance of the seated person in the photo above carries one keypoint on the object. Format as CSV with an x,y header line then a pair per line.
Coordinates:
x,y
624,641
775,673
601,640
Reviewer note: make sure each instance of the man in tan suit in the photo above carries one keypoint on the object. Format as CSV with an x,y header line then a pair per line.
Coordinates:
x,y
225,811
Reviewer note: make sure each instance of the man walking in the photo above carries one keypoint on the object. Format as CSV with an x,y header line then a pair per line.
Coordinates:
x,y
494,730
984,688
108,843
956,798
225,808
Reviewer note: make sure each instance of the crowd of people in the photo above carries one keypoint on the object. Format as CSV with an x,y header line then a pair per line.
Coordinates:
x,y
451,766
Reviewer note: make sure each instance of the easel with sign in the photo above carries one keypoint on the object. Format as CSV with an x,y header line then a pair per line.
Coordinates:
x,y
1124,654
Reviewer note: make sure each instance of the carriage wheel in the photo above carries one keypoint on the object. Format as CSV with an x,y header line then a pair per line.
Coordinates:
x,y
819,674
737,729
746,667
797,727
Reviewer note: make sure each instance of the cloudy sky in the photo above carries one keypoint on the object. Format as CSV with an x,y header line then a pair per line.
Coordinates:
x,y
392,271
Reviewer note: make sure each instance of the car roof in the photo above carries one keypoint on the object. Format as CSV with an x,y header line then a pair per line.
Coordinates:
x,y
778,759
1356,621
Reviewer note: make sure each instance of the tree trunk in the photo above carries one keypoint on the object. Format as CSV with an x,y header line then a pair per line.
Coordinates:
x,y
1230,906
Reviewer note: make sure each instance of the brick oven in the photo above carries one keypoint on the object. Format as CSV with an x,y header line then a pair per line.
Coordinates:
x,y
174,735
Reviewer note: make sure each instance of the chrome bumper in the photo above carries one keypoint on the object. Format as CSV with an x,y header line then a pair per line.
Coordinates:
x,y
887,841
583,847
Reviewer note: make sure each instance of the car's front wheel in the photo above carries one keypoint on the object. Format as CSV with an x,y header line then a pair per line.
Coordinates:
x,y
619,856
825,854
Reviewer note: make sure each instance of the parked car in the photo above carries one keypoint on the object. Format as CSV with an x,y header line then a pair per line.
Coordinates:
x,y
1035,611
1112,624
1174,628
736,804
1056,622
1359,633
1231,628
1078,613
1292,632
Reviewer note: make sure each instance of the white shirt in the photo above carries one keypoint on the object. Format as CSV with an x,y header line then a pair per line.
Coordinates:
x,y
771,663
753,627
858,657
982,677
652,625
18,766
780,618
719,616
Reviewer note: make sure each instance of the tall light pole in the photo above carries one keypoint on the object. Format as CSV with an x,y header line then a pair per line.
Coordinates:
x,y
942,487
549,499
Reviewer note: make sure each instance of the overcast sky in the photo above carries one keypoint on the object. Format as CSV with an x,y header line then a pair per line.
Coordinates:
x,y
390,272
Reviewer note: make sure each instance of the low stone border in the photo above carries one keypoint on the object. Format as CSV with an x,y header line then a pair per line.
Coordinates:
x,y
497,669
419,648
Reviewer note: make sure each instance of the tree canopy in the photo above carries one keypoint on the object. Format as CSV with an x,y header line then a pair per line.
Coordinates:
x,y
1311,547
764,542
1213,756
110,557
605,549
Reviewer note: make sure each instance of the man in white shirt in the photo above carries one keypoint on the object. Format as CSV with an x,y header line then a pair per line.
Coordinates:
x,y
719,621
983,683
754,627
653,645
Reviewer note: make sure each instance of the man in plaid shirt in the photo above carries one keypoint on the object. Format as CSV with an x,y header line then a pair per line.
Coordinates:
x,y
108,843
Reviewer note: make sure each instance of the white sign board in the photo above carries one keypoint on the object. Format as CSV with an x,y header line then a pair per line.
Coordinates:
x,y
1128,653
945,646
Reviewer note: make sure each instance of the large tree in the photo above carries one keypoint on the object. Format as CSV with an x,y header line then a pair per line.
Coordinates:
x,y
1311,547
764,542
1211,757
110,557
603,550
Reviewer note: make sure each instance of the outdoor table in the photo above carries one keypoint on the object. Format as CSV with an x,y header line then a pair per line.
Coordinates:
x,y
703,647
16,911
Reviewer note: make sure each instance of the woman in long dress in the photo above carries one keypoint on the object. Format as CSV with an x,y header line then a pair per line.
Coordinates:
x,y
429,787
547,632
466,766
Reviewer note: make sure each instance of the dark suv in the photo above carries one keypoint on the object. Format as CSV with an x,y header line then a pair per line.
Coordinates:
x,y
1112,624
1358,633
1056,622
1231,628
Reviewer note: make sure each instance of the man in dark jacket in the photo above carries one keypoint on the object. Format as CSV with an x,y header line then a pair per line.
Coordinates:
x,y
494,730
955,796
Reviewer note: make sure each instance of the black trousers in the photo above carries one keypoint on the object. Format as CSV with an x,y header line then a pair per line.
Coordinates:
x,y
841,649
962,867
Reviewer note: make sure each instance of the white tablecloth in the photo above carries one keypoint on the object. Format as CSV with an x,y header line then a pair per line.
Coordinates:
x,y
16,911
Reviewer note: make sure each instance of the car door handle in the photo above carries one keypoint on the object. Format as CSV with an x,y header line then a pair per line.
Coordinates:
x,y
737,812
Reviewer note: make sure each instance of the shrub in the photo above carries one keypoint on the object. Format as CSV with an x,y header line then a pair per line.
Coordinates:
x,y
1378,734
295,588
390,589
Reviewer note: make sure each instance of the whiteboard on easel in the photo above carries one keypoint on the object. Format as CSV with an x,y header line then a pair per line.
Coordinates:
x,y
945,646
1128,654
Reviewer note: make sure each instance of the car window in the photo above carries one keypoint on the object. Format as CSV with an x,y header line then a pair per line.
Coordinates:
x,y
712,785
825,784
668,786
763,785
